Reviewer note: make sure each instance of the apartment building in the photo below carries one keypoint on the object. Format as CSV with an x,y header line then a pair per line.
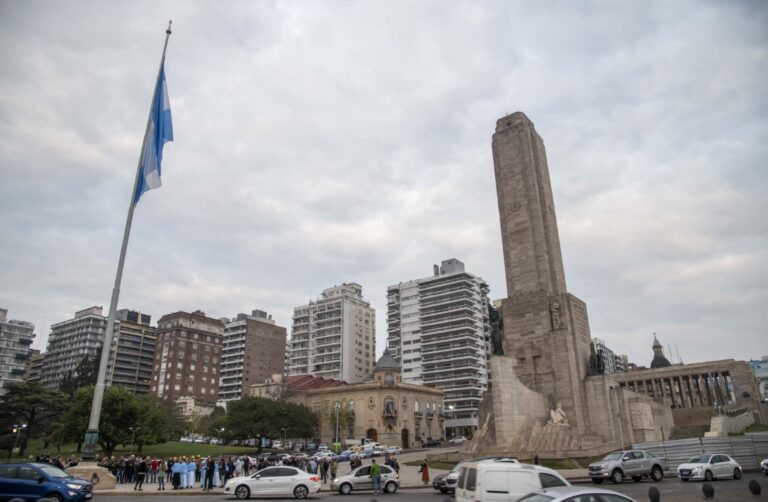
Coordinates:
x,y
132,352
69,342
439,331
15,349
187,357
254,350
334,336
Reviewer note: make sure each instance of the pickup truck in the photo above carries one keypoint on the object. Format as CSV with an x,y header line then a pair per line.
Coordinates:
x,y
635,464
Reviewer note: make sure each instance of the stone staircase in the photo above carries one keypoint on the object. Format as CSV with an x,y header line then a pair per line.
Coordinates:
x,y
551,438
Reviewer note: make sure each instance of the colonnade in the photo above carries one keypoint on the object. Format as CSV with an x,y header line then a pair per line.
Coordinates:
x,y
687,390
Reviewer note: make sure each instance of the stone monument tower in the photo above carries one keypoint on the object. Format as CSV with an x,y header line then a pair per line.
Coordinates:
x,y
542,398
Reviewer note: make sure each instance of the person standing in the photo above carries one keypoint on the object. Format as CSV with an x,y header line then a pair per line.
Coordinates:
x,y
334,469
209,469
424,470
376,476
203,472
141,472
216,474
153,470
191,468
161,474
176,473
238,467
246,464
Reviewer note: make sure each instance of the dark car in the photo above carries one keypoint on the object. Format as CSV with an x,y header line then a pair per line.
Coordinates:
x,y
31,481
431,443
438,483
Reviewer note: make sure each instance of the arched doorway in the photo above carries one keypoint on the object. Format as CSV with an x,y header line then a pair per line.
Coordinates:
x,y
404,437
372,434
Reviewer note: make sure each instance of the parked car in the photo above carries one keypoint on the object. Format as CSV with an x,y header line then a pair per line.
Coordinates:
x,y
360,479
492,480
31,481
394,450
345,455
431,443
636,464
322,446
277,444
379,451
277,480
569,493
457,440
764,466
708,467
446,483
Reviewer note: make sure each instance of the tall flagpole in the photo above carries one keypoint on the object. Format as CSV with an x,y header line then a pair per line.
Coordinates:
x,y
92,434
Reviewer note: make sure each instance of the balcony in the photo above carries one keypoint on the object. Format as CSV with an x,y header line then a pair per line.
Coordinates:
x,y
389,413
417,414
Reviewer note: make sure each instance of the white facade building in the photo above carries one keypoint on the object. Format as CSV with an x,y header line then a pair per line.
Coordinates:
x,y
439,331
334,336
15,349
69,342
608,356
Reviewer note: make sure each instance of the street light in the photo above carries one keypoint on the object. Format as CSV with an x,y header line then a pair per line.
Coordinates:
x,y
338,407
218,434
450,410
284,429
133,436
17,429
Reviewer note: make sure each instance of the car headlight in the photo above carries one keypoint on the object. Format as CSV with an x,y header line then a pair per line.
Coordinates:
x,y
603,466
696,470
73,486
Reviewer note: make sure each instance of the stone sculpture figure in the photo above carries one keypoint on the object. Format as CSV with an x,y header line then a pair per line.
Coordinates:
x,y
554,310
558,416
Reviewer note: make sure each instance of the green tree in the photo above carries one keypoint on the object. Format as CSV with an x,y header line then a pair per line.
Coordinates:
x,y
84,374
29,403
257,416
156,421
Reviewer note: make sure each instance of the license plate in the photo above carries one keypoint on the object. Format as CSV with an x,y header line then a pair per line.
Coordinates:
x,y
88,496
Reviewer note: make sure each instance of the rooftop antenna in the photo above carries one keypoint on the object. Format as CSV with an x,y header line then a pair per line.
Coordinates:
x,y
677,351
670,353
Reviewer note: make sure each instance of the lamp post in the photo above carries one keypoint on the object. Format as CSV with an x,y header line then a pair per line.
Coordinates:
x,y
284,429
450,410
218,434
338,407
17,429
133,436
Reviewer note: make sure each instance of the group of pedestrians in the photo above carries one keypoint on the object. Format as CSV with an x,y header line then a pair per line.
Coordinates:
x,y
179,472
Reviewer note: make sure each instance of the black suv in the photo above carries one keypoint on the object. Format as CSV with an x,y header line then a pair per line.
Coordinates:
x,y
31,481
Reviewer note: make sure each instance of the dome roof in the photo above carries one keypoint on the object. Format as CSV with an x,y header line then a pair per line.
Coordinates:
x,y
386,362
660,362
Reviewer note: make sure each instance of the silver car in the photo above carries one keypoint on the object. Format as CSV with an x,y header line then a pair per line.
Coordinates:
x,y
569,493
360,479
708,467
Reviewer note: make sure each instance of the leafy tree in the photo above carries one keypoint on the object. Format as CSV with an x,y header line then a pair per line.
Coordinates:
x,y
257,416
121,410
29,403
595,366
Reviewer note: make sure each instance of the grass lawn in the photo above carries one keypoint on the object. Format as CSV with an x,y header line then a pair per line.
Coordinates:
x,y
435,465
169,449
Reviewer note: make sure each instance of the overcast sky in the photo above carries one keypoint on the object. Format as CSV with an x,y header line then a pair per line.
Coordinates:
x,y
324,142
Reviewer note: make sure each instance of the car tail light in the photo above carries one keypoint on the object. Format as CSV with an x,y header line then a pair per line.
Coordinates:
x,y
314,478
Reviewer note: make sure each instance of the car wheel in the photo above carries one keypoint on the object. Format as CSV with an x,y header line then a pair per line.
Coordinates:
x,y
637,479
55,496
242,492
736,473
597,481
708,476
390,487
617,477
345,489
657,474
683,479
443,490
300,492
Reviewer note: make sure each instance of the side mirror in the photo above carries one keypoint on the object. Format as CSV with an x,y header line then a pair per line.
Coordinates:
x,y
625,457
258,476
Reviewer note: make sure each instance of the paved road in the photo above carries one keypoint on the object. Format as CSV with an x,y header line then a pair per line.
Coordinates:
x,y
672,490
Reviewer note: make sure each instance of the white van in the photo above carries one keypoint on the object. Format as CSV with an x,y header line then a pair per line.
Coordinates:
x,y
503,481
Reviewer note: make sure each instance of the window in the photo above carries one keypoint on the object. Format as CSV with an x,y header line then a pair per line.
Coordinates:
x,y
26,472
496,482
7,471
364,471
550,481
471,480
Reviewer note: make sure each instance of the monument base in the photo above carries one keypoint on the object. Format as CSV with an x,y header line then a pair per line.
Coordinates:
x,y
101,477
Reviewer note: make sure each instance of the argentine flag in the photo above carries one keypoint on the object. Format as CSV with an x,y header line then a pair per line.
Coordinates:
x,y
159,131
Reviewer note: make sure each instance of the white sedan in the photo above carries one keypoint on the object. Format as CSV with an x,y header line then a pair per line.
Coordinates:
x,y
708,467
277,480
457,440
394,450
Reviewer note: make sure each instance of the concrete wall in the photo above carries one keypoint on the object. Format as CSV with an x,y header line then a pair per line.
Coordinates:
x,y
725,425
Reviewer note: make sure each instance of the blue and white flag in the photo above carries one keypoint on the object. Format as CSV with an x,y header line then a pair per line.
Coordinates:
x,y
160,130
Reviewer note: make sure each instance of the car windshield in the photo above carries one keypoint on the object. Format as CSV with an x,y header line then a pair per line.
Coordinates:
x,y
54,472
701,459
614,456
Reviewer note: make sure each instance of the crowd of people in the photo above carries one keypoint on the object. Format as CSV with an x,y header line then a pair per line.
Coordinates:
x,y
213,472
57,461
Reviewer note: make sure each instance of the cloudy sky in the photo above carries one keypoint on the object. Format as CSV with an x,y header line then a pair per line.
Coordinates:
x,y
323,142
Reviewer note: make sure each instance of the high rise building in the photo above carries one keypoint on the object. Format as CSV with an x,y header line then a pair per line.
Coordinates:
x,y
15,349
187,357
439,331
254,350
607,355
334,336
132,352
69,342
34,366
